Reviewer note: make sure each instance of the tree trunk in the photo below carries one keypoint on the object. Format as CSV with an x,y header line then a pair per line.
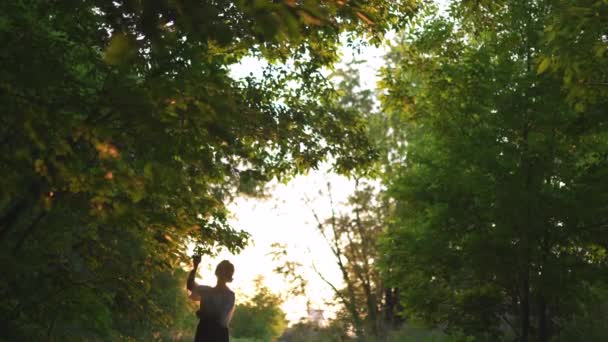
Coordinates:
x,y
28,231
12,215
389,306
372,314
392,307
543,331
525,306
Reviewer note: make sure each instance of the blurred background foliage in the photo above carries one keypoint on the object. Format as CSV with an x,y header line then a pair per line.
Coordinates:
x,y
123,138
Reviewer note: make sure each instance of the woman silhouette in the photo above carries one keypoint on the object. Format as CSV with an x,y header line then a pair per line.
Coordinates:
x,y
217,303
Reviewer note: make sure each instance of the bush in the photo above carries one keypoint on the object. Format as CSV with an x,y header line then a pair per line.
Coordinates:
x,y
260,319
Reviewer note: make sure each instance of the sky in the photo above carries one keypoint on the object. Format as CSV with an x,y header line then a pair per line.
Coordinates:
x,y
285,217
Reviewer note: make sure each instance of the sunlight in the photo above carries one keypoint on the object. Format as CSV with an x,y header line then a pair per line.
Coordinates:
x,y
285,218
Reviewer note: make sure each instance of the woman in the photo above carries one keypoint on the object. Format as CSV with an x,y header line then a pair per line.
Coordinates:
x,y
217,303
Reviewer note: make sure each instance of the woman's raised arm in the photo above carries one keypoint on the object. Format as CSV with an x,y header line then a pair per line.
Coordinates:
x,y
190,282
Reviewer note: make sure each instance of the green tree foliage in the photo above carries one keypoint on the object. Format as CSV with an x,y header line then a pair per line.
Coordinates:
x,y
500,223
310,331
588,322
337,331
171,304
575,43
388,142
123,136
261,318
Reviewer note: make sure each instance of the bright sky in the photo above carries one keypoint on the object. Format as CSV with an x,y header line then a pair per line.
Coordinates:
x,y
285,218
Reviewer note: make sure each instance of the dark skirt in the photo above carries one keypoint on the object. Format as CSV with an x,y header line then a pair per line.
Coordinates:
x,y
210,330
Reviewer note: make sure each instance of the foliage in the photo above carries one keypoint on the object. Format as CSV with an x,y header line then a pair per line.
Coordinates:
x,y
388,142
499,220
576,46
123,137
412,333
335,332
352,237
587,323
289,270
309,331
369,308
261,318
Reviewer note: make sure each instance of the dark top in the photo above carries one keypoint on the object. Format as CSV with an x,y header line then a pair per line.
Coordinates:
x,y
216,303
217,306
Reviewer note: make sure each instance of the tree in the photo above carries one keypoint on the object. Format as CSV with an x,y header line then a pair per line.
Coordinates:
x,y
261,318
499,224
369,308
289,270
124,137
352,237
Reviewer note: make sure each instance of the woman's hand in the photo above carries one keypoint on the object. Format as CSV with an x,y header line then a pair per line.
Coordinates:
x,y
196,259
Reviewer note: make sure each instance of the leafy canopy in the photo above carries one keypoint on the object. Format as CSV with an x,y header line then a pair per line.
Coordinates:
x,y
124,136
499,215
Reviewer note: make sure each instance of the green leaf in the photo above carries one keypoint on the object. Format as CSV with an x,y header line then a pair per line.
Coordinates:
x,y
544,64
120,49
